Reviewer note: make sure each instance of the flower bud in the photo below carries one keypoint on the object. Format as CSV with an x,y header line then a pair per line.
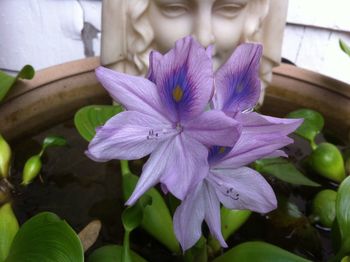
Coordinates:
x,y
31,169
5,157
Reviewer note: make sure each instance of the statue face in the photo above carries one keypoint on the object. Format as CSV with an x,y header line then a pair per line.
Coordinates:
x,y
218,22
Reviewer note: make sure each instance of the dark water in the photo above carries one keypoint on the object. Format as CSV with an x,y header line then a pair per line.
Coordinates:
x,y
80,190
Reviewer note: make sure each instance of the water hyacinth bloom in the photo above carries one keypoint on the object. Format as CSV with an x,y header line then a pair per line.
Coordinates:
x,y
229,182
165,118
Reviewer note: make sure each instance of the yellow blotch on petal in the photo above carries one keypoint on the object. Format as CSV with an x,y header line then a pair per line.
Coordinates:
x,y
222,150
178,93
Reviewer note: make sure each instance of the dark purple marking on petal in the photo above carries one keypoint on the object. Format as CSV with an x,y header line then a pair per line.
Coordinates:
x,y
216,153
237,81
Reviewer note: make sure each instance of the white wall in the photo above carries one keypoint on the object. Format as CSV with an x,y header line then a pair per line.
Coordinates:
x,y
49,32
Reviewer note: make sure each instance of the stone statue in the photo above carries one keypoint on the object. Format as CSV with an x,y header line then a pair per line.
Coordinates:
x,y
132,28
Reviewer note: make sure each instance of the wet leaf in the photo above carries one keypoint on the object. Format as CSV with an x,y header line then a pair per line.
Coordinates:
x,y
283,170
88,118
8,229
312,125
344,47
50,141
46,238
112,253
258,252
7,81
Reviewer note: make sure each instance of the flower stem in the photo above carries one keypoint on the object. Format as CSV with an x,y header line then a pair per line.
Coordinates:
x,y
126,257
124,165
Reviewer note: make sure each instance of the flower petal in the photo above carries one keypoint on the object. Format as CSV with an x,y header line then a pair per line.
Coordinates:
x,y
214,128
237,81
258,124
243,188
251,147
186,165
151,172
212,213
184,78
188,218
128,135
134,93
154,59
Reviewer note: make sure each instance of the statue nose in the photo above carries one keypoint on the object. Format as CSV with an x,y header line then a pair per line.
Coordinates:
x,y
204,30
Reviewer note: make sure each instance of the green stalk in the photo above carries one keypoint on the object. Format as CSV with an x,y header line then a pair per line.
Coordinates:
x,y
124,165
126,256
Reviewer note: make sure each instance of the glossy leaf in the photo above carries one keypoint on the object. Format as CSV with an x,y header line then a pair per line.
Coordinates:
x,y
112,253
312,125
258,252
7,81
157,220
328,162
343,213
51,141
232,220
344,47
8,229
88,118
46,238
283,170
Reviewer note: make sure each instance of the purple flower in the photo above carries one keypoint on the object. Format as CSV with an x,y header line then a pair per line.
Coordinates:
x,y
165,118
229,182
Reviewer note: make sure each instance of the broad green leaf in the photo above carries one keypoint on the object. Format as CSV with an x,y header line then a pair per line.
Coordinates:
x,y
8,229
157,220
7,81
232,220
54,141
343,213
132,216
283,170
259,252
312,125
88,118
344,47
46,238
112,253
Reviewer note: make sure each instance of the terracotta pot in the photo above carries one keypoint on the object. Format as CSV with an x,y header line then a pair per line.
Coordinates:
x,y
56,93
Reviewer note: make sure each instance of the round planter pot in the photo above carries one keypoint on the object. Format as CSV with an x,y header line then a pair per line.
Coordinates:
x,y
56,93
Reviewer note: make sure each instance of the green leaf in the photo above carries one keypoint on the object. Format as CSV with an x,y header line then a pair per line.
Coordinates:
x,y
112,253
132,216
344,47
283,170
50,141
312,125
5,157
232,220
7,81
88,118
157,220
8,229
46,238
343,213
259,252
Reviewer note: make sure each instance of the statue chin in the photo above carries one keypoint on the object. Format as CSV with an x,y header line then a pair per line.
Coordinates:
x,y
132,28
